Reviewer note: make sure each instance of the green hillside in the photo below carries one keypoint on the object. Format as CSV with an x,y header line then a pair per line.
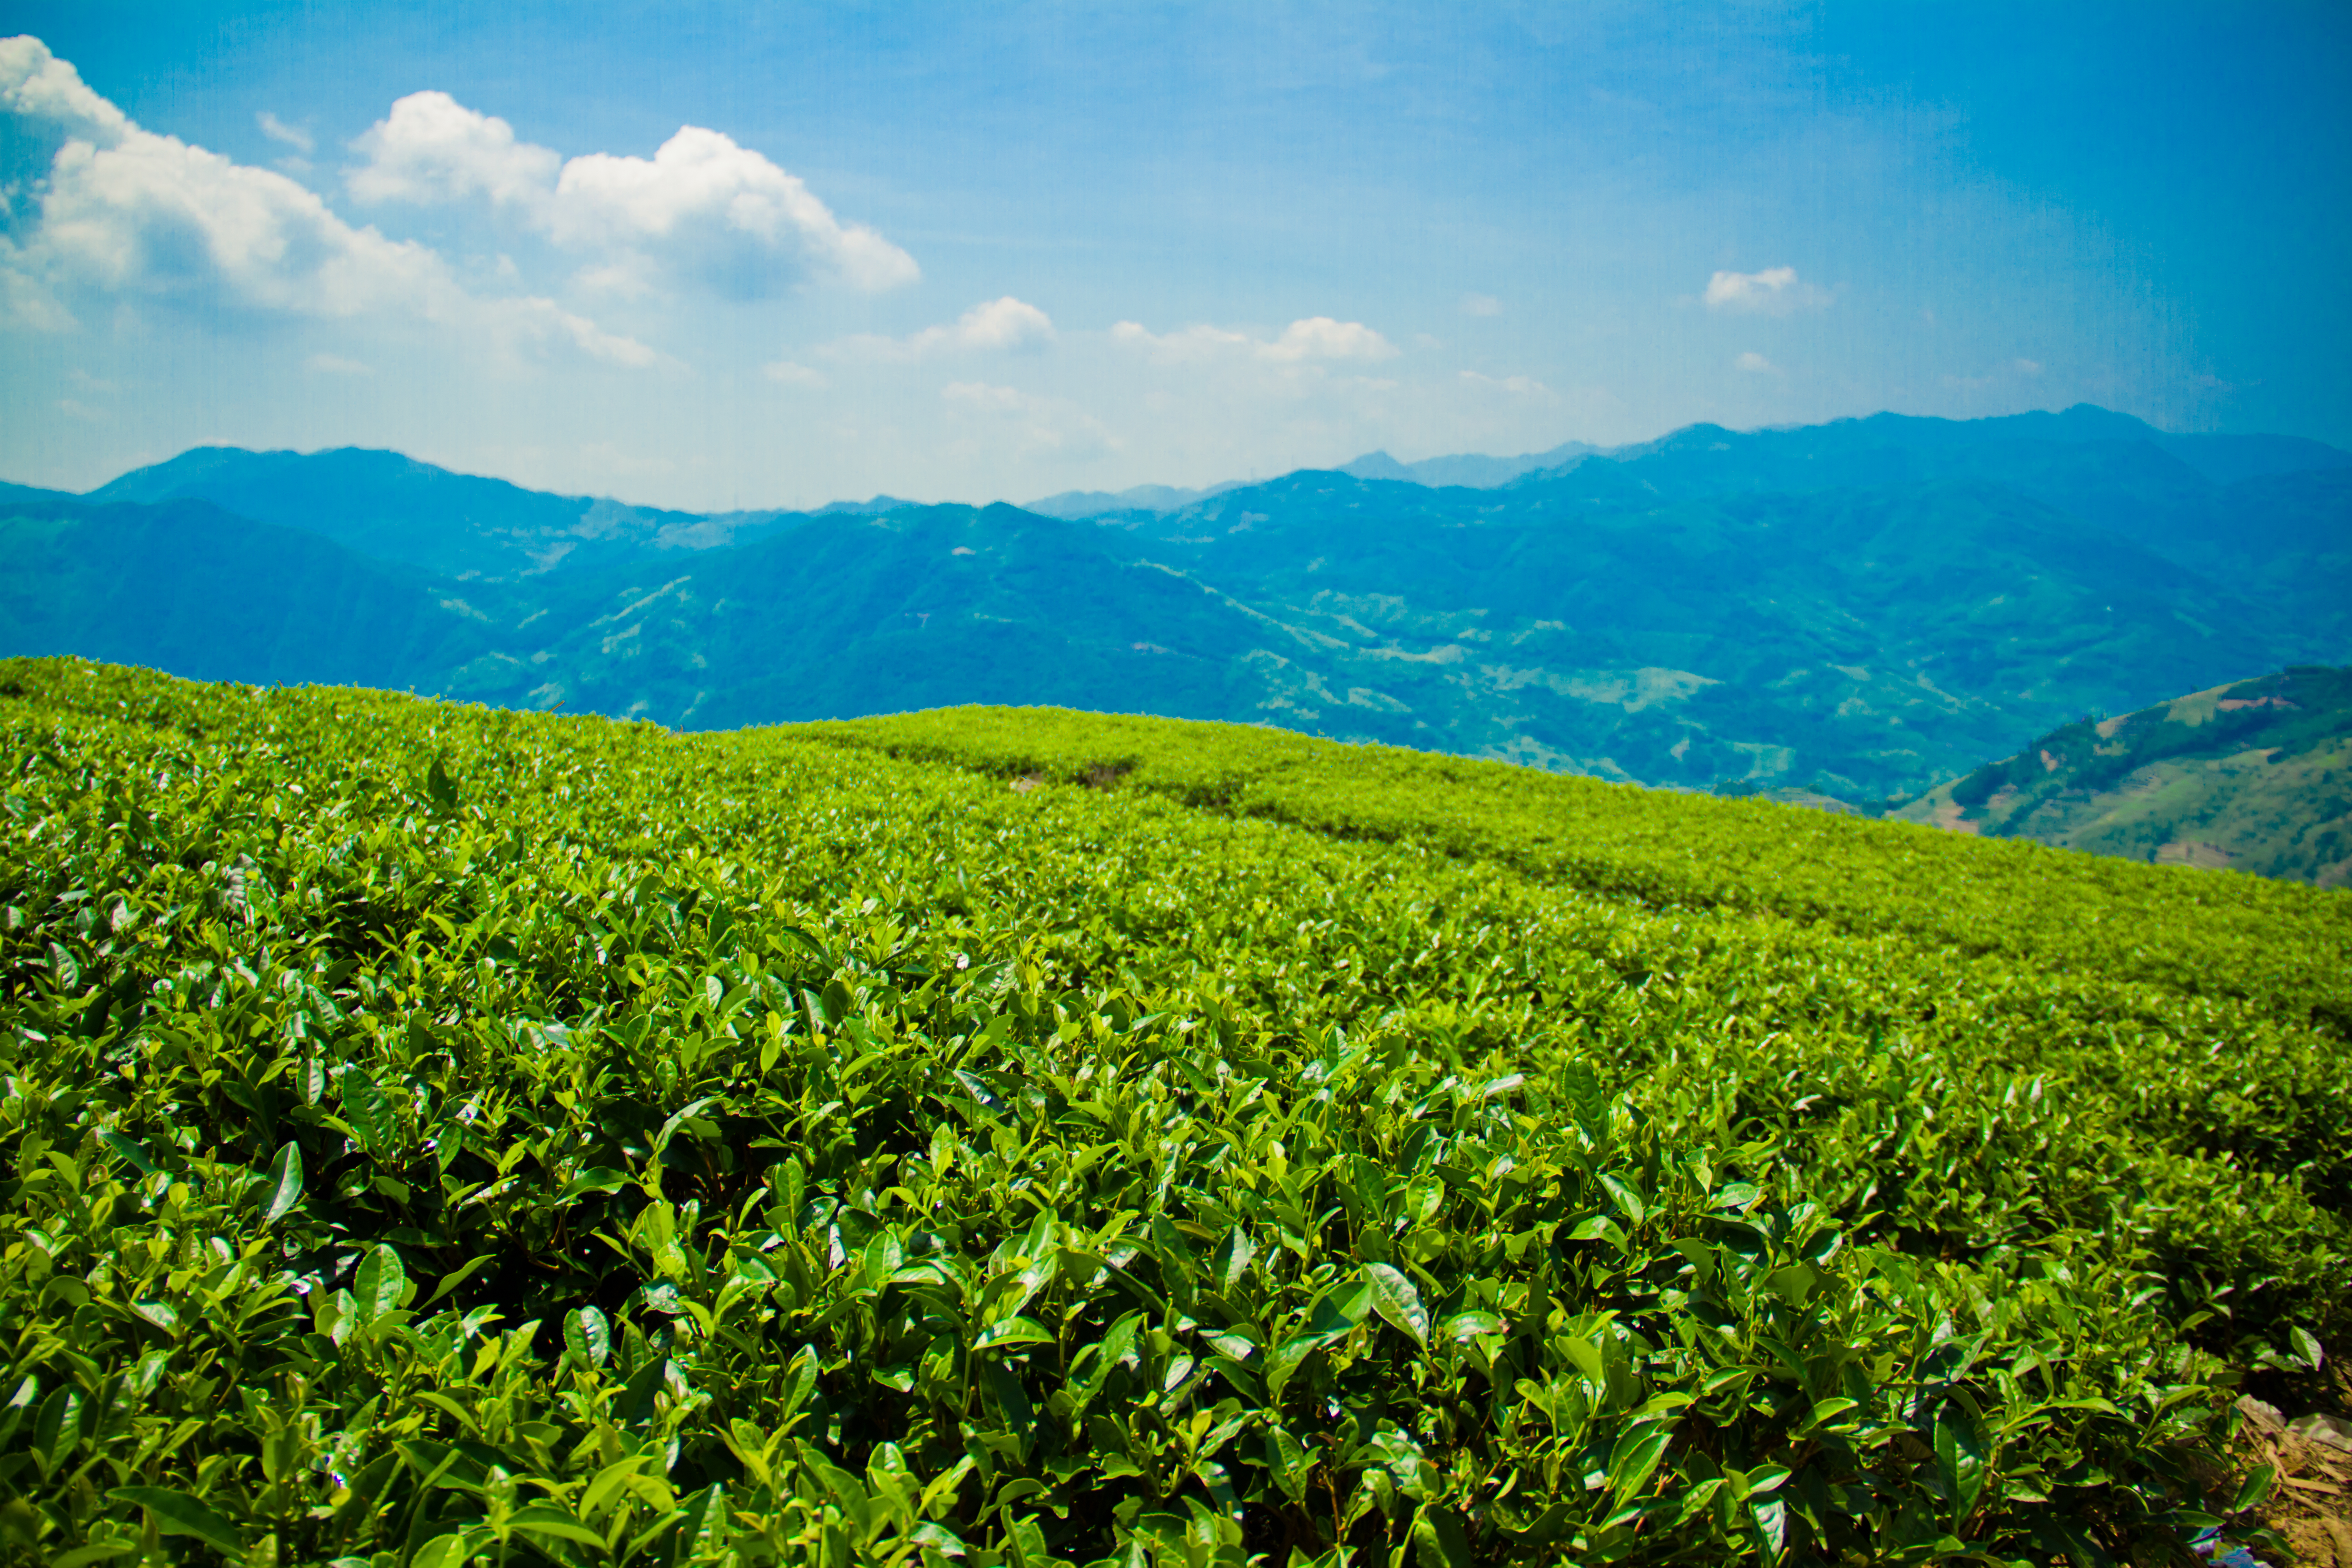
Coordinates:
x,y
2256,776
435,1133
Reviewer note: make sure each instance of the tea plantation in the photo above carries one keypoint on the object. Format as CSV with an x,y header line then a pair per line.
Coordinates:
x,y
434,1135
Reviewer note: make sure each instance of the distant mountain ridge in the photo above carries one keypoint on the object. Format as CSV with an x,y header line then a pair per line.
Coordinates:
x,y
1856,610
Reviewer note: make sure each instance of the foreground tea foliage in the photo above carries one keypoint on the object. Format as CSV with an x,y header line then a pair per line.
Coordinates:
x,y
434,1134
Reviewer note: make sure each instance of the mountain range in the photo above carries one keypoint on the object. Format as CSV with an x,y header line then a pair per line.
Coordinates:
x,y
1862,610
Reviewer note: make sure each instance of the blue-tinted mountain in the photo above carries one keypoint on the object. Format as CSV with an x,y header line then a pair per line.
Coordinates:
x,y
1857,610
183,586
397,508
1470,470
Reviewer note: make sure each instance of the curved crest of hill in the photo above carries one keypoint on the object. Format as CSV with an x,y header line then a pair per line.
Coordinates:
x,y
2256,774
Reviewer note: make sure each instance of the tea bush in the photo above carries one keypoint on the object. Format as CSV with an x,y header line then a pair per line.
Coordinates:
x,y
435,1135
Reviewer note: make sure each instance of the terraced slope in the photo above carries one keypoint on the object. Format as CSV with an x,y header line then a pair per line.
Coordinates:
x,y
434,1134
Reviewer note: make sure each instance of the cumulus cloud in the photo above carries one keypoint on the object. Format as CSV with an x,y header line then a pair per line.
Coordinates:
x,y
1321,337
701,206
431,148
128,212
1313,338
1775,291
37,86
997,325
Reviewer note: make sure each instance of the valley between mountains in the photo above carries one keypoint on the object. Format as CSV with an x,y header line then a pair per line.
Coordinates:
x,y
1856,612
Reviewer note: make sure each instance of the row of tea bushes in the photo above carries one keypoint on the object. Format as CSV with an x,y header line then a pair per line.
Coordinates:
x,y
435,1135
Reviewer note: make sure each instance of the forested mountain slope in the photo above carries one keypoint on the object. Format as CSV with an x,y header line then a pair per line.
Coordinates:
x,y
2256,774
1860,609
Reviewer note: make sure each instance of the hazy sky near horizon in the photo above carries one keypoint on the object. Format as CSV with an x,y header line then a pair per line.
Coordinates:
x,y
717,254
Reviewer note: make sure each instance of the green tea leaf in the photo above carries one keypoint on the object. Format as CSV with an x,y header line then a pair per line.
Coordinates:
x,y
367,1109
285,1186
595,1179
1961,1456
547,1520
1396,1299
176,1514
587,1335
378,1285
1440,1541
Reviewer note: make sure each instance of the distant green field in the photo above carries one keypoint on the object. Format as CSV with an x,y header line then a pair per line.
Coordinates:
x,y
436,1134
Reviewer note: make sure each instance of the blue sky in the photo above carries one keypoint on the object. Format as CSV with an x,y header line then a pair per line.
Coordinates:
x,y
762,254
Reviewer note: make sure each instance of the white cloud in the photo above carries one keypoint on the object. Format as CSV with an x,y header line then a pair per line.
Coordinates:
x,y
336,364
1755,362
533,324
1321,337
702,206
1525,385
1313,338
979,394
128,212
1775,291
790,374
1192,344
36,85
152,214
997,325
431,148
2026,366
277,129
1481,305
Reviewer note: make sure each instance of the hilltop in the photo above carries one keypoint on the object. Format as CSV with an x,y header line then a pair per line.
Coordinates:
x,y
2256,774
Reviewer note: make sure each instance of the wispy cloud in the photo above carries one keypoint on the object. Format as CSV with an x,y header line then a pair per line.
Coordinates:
x,y
994,326
1039,427
1775,291
1755,363
1313,338
1522,385
336,364
789,374
1481,305
277,129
